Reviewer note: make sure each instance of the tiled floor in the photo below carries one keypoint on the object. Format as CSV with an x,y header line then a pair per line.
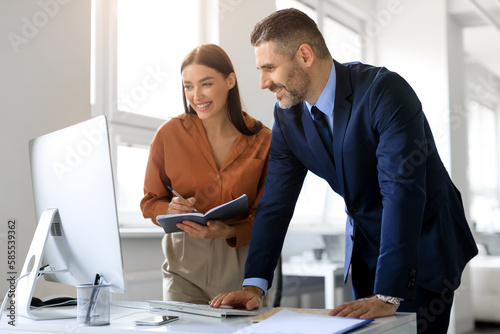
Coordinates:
x,y
489,328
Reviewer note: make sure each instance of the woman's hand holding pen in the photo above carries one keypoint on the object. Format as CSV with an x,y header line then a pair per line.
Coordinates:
x,y
179,195
214,229
181,205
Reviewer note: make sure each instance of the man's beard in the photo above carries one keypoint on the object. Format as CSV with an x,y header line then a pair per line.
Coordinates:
x,y
296,88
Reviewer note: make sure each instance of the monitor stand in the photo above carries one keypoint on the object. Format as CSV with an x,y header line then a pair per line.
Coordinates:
x,y
31,268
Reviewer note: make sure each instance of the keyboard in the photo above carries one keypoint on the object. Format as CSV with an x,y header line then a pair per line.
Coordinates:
x,y
201,309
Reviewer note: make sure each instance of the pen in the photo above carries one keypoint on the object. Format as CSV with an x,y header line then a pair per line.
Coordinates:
x,y
93,299
97,279
178,195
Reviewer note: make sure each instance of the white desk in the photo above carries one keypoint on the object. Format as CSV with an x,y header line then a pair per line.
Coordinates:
x,y
333,274
123,315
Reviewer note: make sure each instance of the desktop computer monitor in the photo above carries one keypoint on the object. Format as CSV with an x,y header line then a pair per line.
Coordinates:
x,y
77,233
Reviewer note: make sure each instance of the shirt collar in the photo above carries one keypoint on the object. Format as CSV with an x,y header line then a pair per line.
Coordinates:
x,y
326,100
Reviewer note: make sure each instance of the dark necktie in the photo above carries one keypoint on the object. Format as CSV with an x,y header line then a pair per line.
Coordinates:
x,y
323,129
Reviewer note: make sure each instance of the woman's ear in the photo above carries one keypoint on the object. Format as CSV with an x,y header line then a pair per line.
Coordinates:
x,y
231,80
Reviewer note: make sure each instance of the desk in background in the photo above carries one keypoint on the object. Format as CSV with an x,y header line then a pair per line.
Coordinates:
x,y
123,315
332,274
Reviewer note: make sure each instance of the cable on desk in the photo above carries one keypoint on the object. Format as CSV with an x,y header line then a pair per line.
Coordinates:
x,y
140,310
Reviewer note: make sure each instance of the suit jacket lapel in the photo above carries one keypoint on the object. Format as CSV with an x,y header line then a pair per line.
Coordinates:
x,y
341,114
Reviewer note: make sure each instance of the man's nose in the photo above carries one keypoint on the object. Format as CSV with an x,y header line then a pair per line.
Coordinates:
x,y
265,81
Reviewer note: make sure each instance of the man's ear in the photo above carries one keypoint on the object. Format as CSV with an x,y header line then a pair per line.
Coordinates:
x,y
305,55
231,80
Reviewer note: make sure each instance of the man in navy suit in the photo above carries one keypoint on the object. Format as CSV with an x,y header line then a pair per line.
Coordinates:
x,y
407,239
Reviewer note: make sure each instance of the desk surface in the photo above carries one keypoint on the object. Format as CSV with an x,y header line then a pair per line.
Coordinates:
x,y
123,315
311,268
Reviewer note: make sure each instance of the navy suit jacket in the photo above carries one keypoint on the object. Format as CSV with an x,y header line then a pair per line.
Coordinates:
x,y
405,216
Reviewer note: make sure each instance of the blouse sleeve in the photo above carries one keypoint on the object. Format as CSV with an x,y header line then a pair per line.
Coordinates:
x,y
156,197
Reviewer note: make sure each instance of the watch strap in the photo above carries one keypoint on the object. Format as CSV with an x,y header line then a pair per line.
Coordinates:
x,y
395,301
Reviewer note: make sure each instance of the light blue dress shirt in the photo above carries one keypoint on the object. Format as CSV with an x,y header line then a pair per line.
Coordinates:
x,y
325,103
326,100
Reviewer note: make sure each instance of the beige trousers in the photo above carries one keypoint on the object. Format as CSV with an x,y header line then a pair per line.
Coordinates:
x,y
197,270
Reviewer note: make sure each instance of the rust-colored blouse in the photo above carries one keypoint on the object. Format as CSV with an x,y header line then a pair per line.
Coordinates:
x,y
180,156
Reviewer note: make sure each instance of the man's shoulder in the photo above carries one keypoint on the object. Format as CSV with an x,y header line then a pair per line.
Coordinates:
x,y
358,69
365,77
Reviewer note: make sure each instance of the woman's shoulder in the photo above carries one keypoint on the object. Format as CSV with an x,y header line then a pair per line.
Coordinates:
x,y
176,123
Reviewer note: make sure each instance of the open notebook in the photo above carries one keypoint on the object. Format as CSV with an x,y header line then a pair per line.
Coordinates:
x,y
223,212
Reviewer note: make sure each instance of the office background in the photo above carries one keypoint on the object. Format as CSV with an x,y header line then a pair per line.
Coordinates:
x,y
58,66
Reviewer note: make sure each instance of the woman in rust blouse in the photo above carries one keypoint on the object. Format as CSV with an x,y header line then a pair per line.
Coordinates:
x,y
211,154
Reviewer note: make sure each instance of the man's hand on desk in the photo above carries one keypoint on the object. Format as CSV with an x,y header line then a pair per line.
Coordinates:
x,y
249,297
365,308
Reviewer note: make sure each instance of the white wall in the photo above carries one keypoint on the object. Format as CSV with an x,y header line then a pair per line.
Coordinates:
x,y
44,86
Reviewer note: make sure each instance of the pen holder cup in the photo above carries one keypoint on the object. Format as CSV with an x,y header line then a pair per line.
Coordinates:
x,y
93,304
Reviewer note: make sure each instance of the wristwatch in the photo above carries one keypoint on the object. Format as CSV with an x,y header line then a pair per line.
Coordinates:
x,y
391,300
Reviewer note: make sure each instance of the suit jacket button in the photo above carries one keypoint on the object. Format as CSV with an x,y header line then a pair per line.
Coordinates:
x,y
353,209
351,236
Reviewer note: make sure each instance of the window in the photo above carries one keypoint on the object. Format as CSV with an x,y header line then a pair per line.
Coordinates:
x,y
282,4
130,167
318,204
136,81
484,168
342,41
148,83
149,55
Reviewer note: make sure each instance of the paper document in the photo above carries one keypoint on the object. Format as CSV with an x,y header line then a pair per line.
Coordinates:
x,y
273,311
289,322
222,212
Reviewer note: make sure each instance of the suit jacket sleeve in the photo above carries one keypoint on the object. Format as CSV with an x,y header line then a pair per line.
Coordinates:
x,y
285,176
401,163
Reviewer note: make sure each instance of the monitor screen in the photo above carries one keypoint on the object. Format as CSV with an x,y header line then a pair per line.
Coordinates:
x,y
72,172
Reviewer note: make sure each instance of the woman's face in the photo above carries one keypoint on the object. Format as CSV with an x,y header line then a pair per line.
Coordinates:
x,y
206,90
